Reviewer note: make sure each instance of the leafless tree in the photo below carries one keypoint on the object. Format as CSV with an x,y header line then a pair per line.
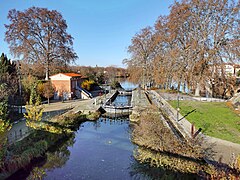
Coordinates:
x,y
39,35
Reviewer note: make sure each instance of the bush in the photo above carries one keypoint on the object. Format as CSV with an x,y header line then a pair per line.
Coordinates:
x,y
88,84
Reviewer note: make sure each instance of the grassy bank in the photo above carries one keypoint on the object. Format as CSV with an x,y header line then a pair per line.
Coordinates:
x,y
217,119
45,135
159,147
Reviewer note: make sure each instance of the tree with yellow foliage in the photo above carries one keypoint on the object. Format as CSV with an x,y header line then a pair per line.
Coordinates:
x,y
34,108
87,84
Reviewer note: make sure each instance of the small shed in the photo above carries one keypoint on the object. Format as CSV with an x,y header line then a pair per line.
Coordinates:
x,y
68,86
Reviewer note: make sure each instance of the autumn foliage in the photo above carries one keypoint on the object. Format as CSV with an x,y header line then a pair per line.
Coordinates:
x,y
39,36
188,48
87,84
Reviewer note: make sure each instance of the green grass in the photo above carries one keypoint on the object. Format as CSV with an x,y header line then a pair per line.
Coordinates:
x,y
215,118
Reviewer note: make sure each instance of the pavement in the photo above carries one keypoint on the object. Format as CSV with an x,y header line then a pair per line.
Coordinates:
x,y
224,151
83,105
174,96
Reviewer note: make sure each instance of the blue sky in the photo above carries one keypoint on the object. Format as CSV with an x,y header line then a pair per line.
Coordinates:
x,y
102,29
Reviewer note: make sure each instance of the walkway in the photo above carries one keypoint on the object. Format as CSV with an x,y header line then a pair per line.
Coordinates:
x,y
85,105
224,150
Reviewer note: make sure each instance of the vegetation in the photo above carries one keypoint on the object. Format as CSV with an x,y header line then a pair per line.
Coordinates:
x,y
48,90
46,136
34,110
8,90
215,118
28,83
39,35
100,75
33,146
159,147
196,40
88,84
155,135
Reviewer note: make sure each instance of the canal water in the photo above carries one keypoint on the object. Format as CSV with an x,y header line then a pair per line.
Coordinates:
x,y
122,100
102,150
97,150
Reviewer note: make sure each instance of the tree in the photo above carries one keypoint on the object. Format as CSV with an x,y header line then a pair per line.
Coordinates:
x,y
8,77
87,84
34,108
28,82
143,51
202,31
39,35
48,90
238,73
8,84
187,45
4,62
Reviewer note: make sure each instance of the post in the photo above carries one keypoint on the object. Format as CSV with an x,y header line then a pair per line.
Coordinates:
x,y
198,131
178,106
192,130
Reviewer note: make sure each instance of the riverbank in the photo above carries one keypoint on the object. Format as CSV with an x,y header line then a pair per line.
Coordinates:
x,y
60,121
221,151
224,150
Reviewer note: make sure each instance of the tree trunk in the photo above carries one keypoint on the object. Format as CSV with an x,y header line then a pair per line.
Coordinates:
x,y
197,90
47,71
184,87
48,101
179,85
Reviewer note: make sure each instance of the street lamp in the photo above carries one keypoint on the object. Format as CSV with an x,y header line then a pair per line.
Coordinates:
x,y
178,109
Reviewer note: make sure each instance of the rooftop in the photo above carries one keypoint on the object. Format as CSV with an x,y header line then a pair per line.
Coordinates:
x,y
69,74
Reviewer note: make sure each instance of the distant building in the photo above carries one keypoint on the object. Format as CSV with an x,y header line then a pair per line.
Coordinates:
x,y
232,69
68,86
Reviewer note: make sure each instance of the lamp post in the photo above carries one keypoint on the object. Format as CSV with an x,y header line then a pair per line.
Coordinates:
x,y
178,109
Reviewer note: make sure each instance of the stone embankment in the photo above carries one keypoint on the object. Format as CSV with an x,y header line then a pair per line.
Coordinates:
x,y
139,103
223,150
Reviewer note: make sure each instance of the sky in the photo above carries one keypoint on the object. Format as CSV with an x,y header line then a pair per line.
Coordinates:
x,y
102,29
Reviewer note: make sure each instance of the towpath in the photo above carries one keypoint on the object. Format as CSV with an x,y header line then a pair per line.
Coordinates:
x,y
223,150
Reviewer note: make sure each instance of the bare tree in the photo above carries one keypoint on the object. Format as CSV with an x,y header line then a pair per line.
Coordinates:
x,y
143,51
39,35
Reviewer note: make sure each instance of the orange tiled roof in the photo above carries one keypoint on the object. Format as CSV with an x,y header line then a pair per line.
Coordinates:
x,y
72,74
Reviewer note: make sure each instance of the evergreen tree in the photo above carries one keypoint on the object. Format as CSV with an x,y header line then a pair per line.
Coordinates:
x,y
3,65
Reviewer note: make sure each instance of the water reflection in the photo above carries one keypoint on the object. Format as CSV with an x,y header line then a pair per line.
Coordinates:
x,y
98,150
122,101
102,151
144,171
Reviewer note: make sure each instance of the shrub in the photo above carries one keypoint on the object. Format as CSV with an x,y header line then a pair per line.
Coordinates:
x,y
87,84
